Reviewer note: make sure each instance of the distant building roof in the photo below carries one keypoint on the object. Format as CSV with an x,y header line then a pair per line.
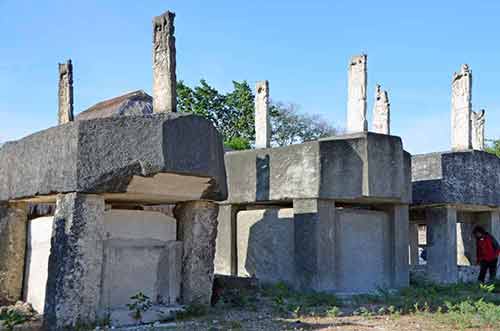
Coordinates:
x,y
133,103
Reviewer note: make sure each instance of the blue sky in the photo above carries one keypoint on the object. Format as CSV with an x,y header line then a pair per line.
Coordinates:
x,y
301,47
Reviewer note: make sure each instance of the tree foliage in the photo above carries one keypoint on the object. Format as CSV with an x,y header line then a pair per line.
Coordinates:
x,y
233,116
493,147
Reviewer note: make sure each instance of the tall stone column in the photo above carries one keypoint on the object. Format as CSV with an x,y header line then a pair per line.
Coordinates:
x,y
461,108
315,244
225,251
413,247
65,92
164,64
13,218
477,127
197,229
262,123
356,99
442,244
381,112
75,262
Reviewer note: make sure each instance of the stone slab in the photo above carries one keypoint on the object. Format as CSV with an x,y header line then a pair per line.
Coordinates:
x,y
362,167
104,155
266,245
468,177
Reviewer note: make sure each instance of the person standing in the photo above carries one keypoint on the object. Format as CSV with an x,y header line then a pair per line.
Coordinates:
x,y
487,253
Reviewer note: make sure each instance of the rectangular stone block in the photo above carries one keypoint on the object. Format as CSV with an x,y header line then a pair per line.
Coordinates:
x,y
170,273
266,244
13,220
225,250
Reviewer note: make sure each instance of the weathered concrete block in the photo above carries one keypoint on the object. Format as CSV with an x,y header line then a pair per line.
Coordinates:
x,y
225,250
170,273
13,222
315,256
400,229
75,262
197,224
266,244
442,244
364,166
119,156
37,261
413,246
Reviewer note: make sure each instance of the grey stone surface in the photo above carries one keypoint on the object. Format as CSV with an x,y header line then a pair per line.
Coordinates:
x,y
363,167
315,235
356,98
399,215
164,64
442,244
461,108
170,273
65,95
468,177
103,155
13,224
197,229
477,126
262,122
266,244
225,250
381,112
75,262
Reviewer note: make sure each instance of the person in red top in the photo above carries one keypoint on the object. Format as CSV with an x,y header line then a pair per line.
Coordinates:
x,y
487,253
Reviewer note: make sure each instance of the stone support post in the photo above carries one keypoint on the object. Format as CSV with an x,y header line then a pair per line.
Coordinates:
x,y
164,64
262,123
197,229
315,244
400,222
75,262
442,244
13,229
225,251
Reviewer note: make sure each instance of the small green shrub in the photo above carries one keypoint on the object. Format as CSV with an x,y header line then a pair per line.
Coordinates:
x,y
11,318
141,303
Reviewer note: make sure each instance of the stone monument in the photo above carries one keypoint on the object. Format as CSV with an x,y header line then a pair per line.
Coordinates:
x,y
461,108
381,112
262,123
65,92
356,99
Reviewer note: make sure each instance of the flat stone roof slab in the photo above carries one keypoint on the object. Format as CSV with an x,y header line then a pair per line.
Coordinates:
x,y
462,178
107,155
364,167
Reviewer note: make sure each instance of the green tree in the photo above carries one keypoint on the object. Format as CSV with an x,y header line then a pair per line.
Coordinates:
x,y
233,116
493,146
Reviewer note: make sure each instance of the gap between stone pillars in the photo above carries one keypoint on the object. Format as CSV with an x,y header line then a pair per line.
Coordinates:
x,y
413,245
75,262
13,229
314,244
442,244
197,229
225,250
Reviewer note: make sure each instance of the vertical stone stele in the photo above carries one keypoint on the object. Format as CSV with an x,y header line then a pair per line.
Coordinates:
x,y
164,78
356,99
461,108
477,127
381,112
65,113
262,124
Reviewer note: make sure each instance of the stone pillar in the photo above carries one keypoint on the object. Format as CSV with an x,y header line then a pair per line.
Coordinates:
x,y
197,229
461,108
356,99
225,251
75,262
477,127
400,222
262,123
164,63
442,244
65,92
13,228
314,244
413,247
381,112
